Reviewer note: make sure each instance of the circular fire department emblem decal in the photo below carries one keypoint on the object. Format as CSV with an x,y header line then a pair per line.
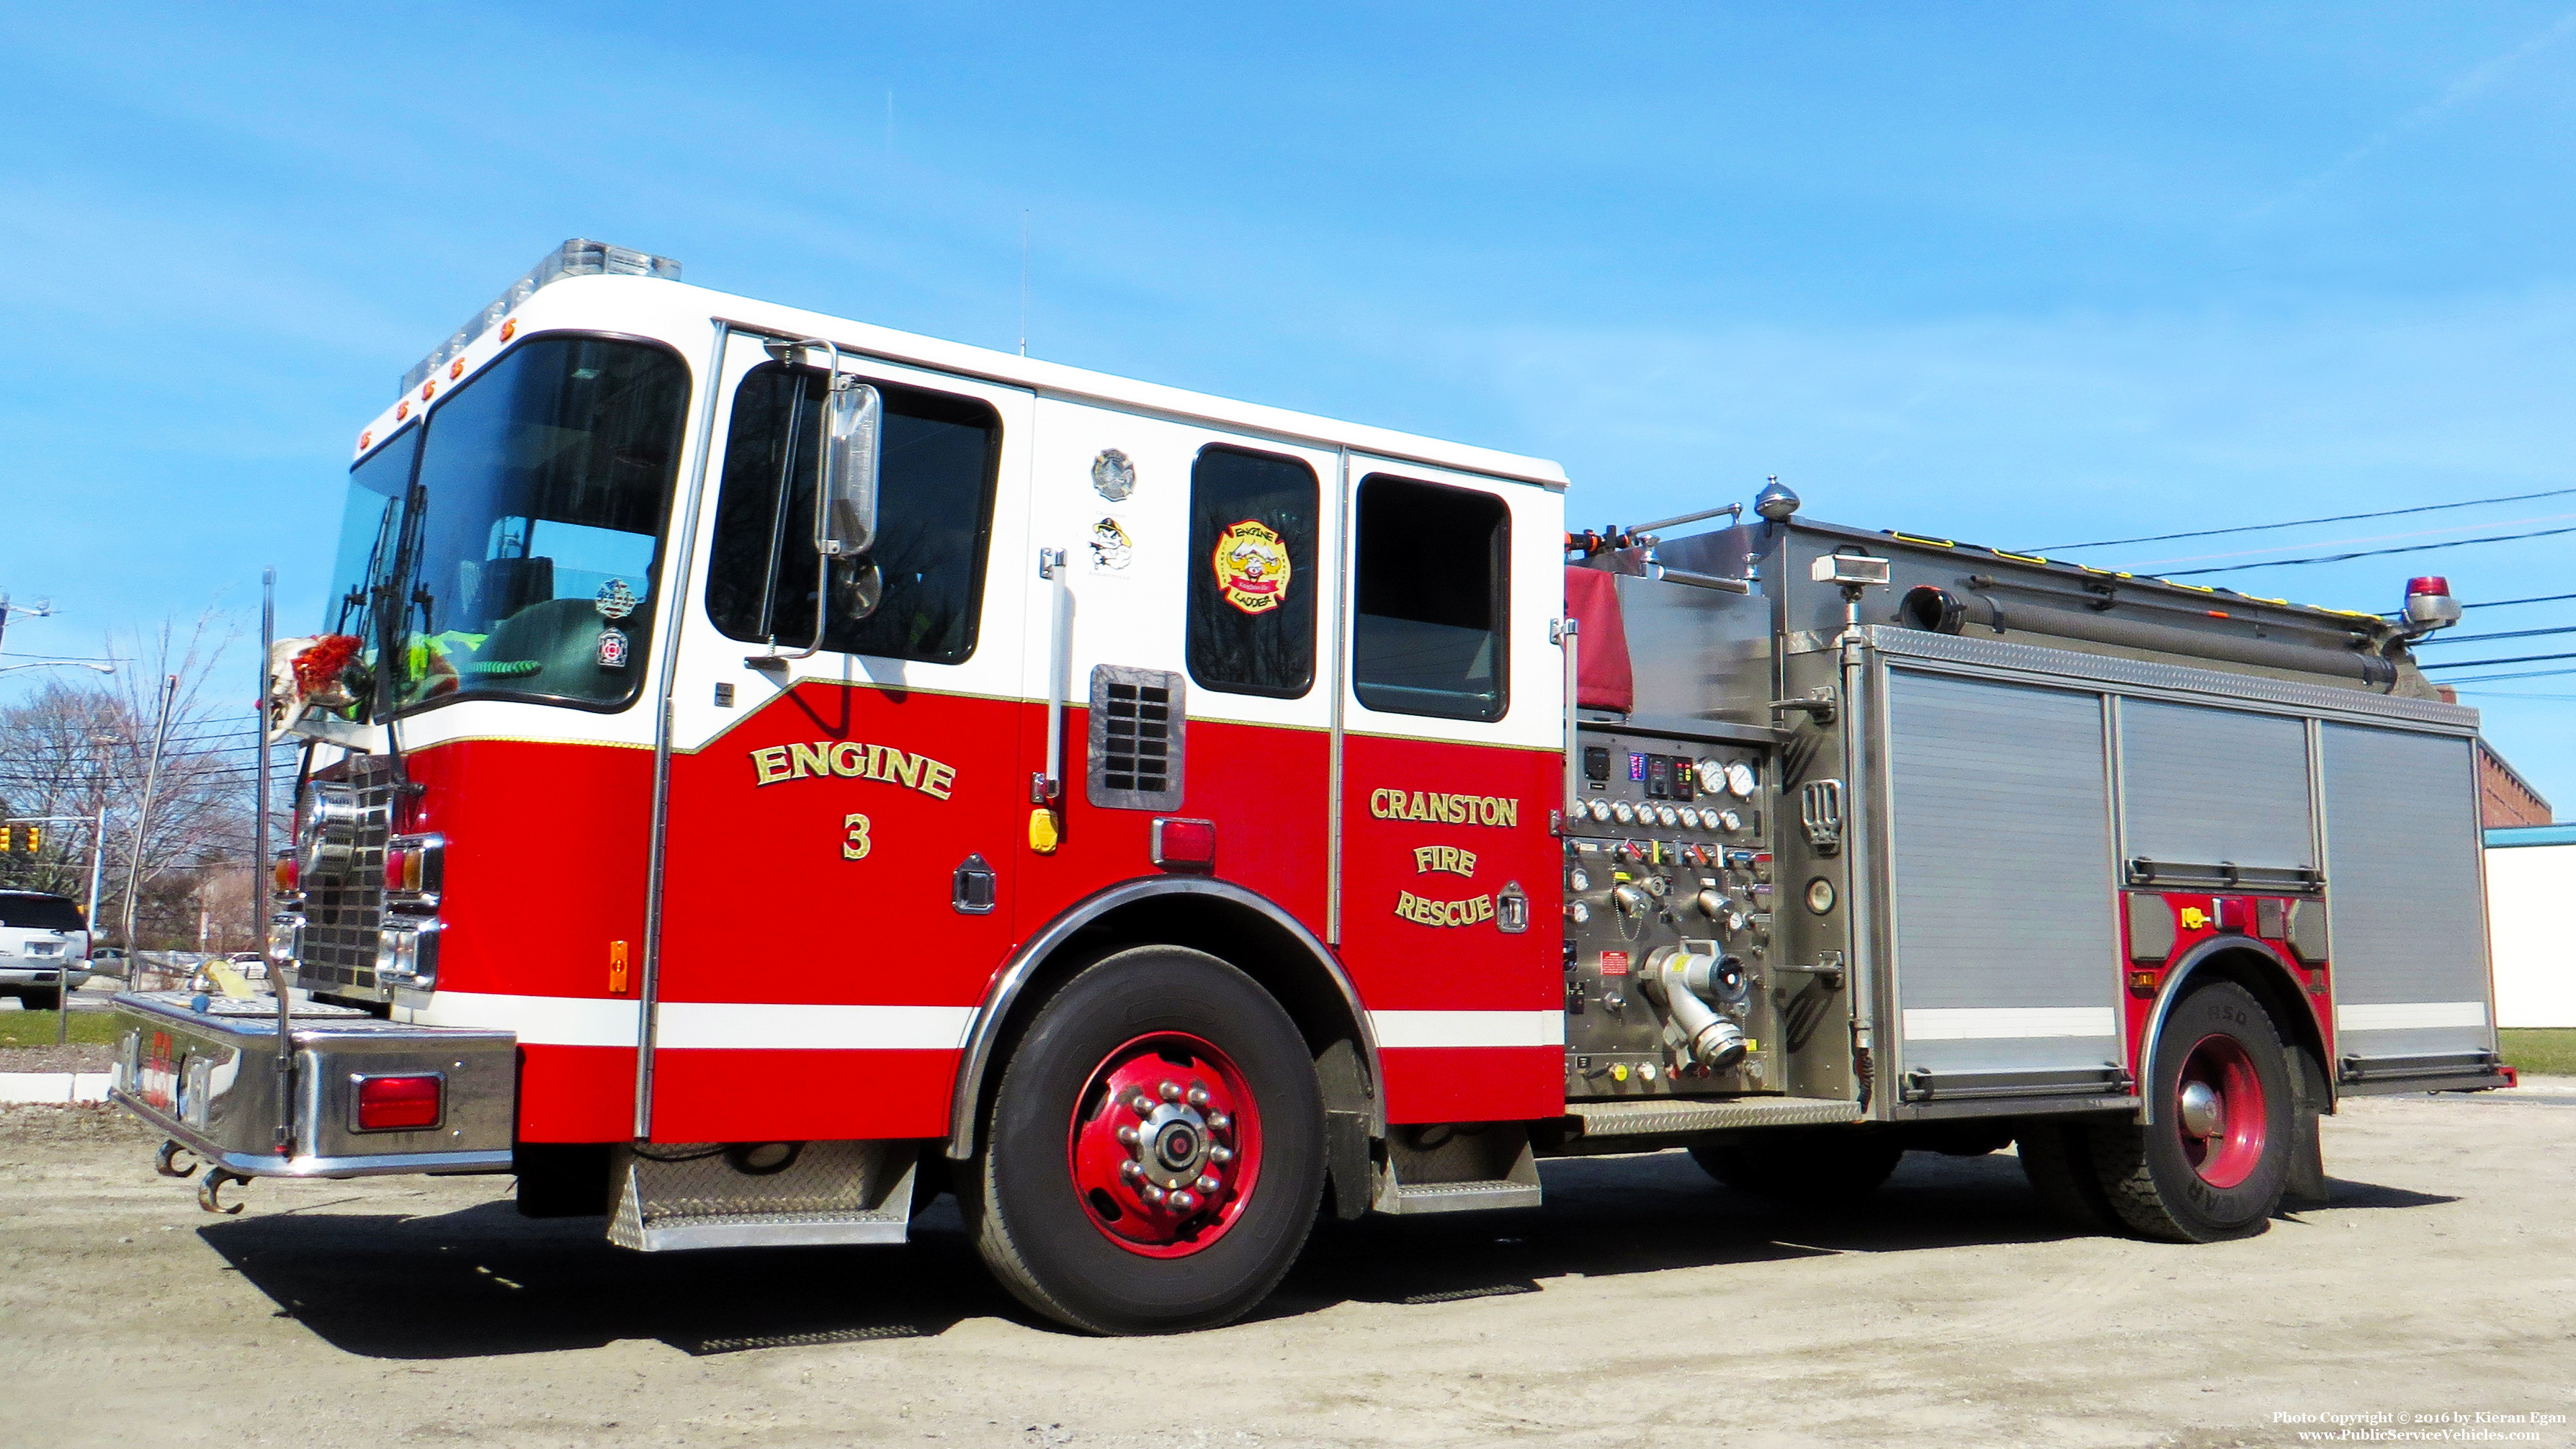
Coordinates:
x,y
1252,567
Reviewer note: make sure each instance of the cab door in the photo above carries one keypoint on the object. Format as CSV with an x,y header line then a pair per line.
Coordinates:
x,y
1453,700
841,818
1188,625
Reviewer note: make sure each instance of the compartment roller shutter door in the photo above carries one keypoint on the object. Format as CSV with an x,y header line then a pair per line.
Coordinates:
x,y
2405,923
2000,851
2201,786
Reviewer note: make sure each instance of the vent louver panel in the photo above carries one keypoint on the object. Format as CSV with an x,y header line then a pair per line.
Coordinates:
x,y
1136,730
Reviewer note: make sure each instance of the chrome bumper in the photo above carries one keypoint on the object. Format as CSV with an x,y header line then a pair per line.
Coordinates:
x,y
209,1079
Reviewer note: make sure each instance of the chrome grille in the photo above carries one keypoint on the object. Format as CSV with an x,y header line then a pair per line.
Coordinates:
x,y
342,922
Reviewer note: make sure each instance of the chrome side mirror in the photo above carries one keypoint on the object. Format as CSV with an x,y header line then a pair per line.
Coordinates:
x,y
845,505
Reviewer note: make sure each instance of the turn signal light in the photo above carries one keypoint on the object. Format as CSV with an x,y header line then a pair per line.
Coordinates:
x,y
1184,844
283,874
414,865
400,1104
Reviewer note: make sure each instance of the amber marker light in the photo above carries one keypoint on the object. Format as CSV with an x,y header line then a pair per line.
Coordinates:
x,y
456,369
1045,830
509,329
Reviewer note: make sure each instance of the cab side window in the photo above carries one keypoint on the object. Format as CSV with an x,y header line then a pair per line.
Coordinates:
x,y
934,521
1252,573
1431,600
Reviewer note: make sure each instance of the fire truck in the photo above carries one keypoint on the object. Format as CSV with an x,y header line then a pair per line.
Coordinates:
x,y
762,771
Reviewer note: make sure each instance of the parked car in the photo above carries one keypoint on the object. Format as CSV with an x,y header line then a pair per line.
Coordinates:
x,y
44,945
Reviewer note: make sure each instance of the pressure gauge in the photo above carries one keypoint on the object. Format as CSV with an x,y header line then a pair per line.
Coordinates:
x,y
1729,820
1601,810
1712,776
1668,816
1820,895
1690,817
1577,912
1739,780
1578,880
1624,813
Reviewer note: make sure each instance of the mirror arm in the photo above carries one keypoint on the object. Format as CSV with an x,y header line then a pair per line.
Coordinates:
x,y
785,352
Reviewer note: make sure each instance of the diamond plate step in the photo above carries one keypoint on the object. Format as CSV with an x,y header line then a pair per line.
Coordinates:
x,y
1681,1117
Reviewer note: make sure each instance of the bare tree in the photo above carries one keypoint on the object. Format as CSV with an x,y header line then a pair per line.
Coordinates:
x,y
71,747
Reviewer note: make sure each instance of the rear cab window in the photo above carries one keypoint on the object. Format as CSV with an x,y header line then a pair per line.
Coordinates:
x,y
1432,596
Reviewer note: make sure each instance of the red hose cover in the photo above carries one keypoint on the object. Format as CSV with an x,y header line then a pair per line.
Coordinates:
x,y
1603,679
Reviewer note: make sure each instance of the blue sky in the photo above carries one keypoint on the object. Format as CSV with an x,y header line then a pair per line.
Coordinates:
x,y
2013,274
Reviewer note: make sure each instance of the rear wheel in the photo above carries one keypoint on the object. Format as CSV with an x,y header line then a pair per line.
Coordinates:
x,y
41,998
1803,1167
2213,1163
1154,1154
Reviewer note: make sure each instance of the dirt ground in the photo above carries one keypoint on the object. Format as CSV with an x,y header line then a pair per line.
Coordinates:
x,y
1643,1306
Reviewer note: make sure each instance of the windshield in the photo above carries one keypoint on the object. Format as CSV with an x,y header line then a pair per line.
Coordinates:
x,y
508,546
39,913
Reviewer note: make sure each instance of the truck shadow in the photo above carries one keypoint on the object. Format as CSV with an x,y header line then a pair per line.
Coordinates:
x,y
483,1281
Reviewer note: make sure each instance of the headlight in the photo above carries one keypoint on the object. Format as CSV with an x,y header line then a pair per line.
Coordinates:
x,y
327,822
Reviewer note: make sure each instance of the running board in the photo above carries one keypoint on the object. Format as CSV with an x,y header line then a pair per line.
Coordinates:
x,y
1687,1117
671,1197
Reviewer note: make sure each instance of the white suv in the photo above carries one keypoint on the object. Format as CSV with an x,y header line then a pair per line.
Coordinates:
x,y
44,945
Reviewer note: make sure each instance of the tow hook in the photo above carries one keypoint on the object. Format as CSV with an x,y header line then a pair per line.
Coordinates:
x,y
166,1161
216,1179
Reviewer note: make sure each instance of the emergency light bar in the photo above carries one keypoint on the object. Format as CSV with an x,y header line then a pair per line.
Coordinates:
x,y
575,258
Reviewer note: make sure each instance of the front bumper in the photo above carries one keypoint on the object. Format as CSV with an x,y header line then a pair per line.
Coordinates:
x,y
208,1078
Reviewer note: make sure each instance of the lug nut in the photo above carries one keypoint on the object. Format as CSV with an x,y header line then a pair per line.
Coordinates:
x,y
1127,1134
1219,1121
1220,1155
1208,1182
1154,1194
1198,1095
1184,1202
1130,1169
1141,1105
1171,1091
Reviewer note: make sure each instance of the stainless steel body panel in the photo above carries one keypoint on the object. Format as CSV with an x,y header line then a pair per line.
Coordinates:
x,y
208,1079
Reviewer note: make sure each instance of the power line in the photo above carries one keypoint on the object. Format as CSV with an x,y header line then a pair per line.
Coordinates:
x,y
2492,678
2303,522
2516,659
2495,603
2482,638
2368,553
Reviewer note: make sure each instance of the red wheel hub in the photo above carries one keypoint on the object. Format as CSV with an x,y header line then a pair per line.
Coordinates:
x,y
2218,1105
1165,1145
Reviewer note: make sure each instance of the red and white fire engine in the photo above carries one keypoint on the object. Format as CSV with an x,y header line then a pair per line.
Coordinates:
x,y
762,771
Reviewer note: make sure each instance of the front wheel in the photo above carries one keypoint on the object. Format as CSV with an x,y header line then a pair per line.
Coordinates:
x,y
1154,1153
41,998
2213,1163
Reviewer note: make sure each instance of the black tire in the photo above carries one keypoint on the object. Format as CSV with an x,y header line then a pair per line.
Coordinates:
x,y
41,998
2147,1170
2059,1163
1019,1195
1806,1168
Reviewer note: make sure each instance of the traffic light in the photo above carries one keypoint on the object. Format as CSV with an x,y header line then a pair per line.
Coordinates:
x,y
8,840
35,839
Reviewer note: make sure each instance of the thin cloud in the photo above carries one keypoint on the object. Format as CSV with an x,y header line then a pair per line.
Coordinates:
x,y
2465,87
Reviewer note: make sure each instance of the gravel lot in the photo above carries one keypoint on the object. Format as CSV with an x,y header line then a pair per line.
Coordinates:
x,y
1645,1306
